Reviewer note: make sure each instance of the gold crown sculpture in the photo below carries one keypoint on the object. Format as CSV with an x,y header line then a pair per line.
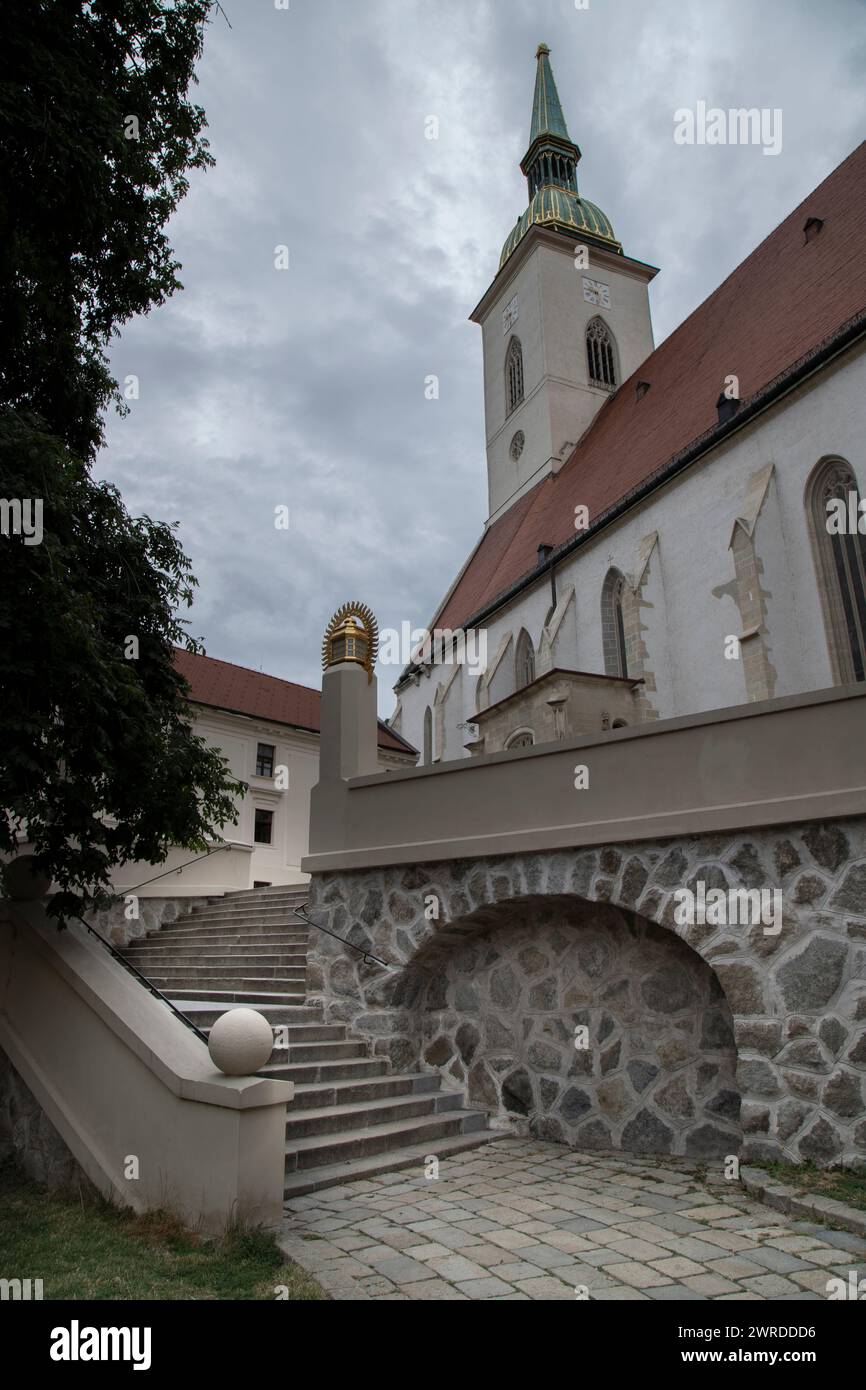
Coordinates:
x,y
352,635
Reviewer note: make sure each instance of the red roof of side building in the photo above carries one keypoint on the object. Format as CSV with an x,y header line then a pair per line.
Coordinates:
x,y
221,685
782,303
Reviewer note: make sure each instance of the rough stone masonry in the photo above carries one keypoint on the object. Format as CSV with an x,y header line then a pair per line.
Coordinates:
x,y
558,988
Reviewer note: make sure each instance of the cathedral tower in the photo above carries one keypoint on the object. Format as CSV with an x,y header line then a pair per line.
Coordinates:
x,y
565,321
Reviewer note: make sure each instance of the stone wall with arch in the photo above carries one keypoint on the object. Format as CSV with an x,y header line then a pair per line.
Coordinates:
x,y
781,1017
587,1025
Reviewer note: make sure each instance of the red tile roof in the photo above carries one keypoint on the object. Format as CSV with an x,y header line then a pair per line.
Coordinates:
x,y
785,300
221,685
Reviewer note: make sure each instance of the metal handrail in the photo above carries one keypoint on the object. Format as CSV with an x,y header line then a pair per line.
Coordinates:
x,y
226,844
299,912
367,956
118,955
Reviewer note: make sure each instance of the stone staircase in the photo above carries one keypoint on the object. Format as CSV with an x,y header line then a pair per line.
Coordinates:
x,y
352,1115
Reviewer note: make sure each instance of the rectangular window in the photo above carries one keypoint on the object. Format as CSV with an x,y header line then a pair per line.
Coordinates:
x,y
264,827
265,760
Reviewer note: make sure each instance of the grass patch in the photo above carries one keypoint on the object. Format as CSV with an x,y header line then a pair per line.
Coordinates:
x,y
839,1183
82,1247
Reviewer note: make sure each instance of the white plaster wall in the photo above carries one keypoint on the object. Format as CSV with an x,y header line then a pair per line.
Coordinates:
x,y
694,517
654,620
453,716
559,403
566,314
565,642
506,478
503,678
778,584
238,737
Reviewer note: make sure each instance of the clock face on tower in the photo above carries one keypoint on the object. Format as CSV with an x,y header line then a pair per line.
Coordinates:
x,y
510,315
596,292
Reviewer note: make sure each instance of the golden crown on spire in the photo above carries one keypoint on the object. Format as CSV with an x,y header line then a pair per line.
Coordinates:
x,y
352,635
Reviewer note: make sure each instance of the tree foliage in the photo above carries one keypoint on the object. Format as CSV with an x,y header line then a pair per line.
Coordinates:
x,y
83,203
98,759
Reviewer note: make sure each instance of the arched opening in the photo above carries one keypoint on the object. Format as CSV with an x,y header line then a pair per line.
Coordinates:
x,y
513,376
601,355
522,738
586,1024
524,661
613,625
832,501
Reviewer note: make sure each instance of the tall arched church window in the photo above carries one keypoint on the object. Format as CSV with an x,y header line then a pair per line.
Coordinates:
x,y
600,354
524,660
613,625
428,736
833,499
513,375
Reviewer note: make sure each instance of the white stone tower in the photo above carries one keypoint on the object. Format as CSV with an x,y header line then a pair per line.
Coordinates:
x,y
566,319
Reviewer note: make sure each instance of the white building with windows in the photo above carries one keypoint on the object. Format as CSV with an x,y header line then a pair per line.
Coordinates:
x,y
659,541
268,730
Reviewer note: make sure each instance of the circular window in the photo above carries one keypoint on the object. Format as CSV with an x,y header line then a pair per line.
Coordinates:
x,y
517,444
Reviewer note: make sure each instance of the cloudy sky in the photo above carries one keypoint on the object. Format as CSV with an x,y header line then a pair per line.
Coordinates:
x,y
304,388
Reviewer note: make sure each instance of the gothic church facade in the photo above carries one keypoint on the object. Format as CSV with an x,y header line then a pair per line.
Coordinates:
x,y
659,540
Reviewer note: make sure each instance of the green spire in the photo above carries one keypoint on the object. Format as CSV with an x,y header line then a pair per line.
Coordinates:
x,y
550,167
552,157
547,117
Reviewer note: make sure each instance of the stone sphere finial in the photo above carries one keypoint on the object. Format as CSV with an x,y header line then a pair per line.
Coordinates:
x,y
240,1042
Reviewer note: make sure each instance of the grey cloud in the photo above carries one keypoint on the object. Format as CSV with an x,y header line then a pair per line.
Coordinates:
x,y
305,387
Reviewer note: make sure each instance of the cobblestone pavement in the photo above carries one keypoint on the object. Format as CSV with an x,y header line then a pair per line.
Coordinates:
x,y
521,1219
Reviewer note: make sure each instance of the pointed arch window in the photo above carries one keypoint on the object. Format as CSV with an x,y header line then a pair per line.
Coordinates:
x,y
613,625
840,561
513,375
601,355
524,659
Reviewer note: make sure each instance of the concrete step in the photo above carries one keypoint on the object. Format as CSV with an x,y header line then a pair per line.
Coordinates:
x,y
303,1181
191,975
355,1069
264,940
241,934
180,996
315,1052
301,1033
285,890
246,910
204,1012
271,945
241,929
283,904
242,914
344,1118
222,984
213,959
322,1150
353,1090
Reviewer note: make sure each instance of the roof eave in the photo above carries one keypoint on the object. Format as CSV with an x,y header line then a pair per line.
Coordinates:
x,y
382,727
603,251
847,336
